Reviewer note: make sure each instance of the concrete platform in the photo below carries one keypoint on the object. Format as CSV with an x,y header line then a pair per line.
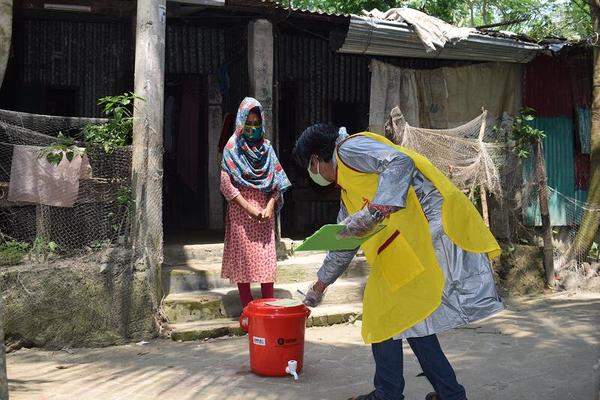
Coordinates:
x,y
225,302
194,275
324,315
546,348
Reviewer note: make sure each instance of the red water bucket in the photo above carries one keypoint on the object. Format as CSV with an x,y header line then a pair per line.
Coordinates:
x,y
276,335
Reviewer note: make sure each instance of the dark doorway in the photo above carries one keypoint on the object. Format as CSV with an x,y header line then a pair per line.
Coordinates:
x,y
61,101
353,116
307,205
185,194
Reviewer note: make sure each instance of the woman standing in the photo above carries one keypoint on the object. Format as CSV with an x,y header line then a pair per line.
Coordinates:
x,y
253,182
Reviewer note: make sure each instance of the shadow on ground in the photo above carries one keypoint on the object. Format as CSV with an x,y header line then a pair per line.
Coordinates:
x,y
547,348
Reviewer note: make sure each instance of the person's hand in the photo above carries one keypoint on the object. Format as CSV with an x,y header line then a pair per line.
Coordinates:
x,y
268,211
358,225
315,294
255,213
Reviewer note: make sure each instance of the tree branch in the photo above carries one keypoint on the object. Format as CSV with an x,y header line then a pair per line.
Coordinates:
x,y
504,23
582,8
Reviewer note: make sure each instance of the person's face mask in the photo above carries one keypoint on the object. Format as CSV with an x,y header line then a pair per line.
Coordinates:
x,y
252,133
317,178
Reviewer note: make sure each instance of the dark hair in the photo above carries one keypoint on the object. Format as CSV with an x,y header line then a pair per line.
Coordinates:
x,y
255,111
318,139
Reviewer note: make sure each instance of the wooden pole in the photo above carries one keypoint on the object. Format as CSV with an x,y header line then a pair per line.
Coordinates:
x,y
591,218
6,14
147,168
3,377
482,191
540,170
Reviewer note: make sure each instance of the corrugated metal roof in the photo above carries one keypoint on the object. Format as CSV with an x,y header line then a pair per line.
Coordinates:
x,y
367,35
282,6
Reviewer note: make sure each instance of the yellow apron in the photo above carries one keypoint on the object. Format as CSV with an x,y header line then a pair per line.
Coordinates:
x,y
406,283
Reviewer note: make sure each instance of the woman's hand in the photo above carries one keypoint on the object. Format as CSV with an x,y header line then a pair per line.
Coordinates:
x,y
269,210
255,213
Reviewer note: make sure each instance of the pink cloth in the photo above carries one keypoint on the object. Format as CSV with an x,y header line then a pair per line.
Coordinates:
x,y
249,254
34,180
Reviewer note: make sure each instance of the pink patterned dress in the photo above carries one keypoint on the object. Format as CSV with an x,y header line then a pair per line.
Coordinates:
x,y
249,254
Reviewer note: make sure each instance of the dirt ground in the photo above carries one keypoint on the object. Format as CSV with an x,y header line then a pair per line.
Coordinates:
x,y
540,348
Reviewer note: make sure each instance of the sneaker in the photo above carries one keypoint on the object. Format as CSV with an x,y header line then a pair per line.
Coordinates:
x,y
433,396
370,396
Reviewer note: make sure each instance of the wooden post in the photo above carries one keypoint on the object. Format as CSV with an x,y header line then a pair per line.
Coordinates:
x,y
482,191
6,16
3,377
540,171
147,169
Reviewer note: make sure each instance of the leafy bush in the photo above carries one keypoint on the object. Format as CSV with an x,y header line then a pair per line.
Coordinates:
x,y
117,132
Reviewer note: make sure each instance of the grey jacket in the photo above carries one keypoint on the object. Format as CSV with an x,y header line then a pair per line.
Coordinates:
x,y
469,293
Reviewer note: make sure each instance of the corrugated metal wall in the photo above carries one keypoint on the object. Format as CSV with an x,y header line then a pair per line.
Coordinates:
x,y
90,56
322,75
558,89
194,49
560,165
97,58
235,69
316,78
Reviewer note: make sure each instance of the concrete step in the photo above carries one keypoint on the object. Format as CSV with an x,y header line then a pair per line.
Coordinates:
x,y
201,330
179,254
225,303
324,315
206,275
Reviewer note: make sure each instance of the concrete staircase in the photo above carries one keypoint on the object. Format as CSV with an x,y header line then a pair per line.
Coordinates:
x,y
199,304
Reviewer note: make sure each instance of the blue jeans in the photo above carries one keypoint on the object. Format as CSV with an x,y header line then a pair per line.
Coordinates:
x,y
389,365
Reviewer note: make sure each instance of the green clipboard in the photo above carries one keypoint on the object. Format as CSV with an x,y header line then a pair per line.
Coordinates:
x,y
325,239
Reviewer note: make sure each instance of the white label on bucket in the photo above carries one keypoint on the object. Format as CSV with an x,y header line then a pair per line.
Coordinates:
x,y
259,341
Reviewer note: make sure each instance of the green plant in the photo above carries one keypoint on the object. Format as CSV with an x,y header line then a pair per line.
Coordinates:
x,y
594,251
12,252
508,250
117,132
124,198
99,244
524,134
63,147
474,194
42,249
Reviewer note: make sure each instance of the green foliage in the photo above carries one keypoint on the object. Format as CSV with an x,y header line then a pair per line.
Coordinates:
x,y
475,196
117,132
63,147
42,249
594,251
124,196
12,252
96,245
524,134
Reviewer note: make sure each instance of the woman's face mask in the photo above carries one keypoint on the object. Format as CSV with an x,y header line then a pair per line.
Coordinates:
x,y
317,178
252,129
252,133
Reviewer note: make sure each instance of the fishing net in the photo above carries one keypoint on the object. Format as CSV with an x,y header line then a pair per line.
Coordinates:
x,y
67,207
478,157
471,155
